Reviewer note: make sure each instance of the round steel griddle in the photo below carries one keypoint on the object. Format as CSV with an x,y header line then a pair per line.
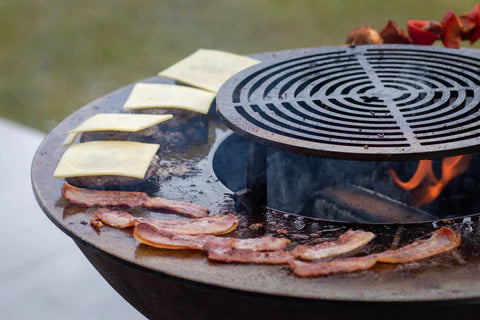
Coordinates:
x,y
184,284
388,102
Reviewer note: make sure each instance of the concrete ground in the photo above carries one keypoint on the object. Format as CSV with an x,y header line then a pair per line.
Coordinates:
x,y
43,275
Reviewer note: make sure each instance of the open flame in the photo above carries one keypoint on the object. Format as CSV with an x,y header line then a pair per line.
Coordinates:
x,y
425,186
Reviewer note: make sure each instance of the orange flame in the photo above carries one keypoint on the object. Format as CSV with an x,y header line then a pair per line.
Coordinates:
x,y
427,186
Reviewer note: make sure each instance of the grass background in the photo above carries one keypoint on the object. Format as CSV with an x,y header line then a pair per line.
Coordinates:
x,y
56,56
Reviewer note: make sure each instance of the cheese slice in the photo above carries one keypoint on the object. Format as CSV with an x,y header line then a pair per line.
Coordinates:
x,y
208,69
116,122
69,139
156,95
100,158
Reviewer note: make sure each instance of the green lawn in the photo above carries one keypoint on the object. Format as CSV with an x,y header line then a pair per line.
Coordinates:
x,y
56,56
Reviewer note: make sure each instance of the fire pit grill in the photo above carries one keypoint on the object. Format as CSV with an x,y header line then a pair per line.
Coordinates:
x,y
185,285
384,102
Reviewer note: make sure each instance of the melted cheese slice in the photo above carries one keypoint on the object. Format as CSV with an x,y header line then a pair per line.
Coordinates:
x,y
101,158
116,122
208,69
156,95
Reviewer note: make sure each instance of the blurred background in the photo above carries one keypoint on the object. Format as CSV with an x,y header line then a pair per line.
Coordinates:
x,y
57,55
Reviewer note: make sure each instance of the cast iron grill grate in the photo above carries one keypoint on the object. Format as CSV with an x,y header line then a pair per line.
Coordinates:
x,y
388,102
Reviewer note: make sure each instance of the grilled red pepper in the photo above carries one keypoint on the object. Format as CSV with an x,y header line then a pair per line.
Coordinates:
x,y
468,27
419,32
474,15
452,29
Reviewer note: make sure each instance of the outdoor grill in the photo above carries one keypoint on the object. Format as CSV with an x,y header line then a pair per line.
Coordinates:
x,y
301,147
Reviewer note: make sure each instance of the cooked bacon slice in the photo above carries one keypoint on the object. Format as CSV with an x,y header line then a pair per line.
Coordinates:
x,y
187,208
255,244
91,198
214,225
131,199
442,240
210,225
347,242
229,254
323,268
113,218
148,234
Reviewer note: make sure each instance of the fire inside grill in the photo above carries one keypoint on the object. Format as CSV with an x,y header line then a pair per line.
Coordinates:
x,y
378,103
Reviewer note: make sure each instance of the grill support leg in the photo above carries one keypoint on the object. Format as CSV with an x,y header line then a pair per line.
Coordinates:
x,y
257,176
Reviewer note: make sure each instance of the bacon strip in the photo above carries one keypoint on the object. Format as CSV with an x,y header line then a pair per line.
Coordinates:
x,y
347,242
323,268
255,244
210,225
148,234
131,199
113,218
229,254
442,240
186,208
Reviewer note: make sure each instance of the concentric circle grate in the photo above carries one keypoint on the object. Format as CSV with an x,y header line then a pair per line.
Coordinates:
x,y
385,102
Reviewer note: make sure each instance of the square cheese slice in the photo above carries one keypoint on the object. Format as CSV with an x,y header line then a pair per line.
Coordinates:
x,y
116,122
208,69
102,158
157,95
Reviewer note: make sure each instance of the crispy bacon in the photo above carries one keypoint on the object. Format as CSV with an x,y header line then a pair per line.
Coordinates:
x,y
186,208
347,242
214,225
442,240
113,218
229,254
210,225
323,268
131,199
255,244
149,234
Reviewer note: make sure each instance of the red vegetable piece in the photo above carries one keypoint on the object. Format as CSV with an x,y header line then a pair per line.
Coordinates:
x,y
452,27
475,36
474,15
392,33
419,34
468,27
